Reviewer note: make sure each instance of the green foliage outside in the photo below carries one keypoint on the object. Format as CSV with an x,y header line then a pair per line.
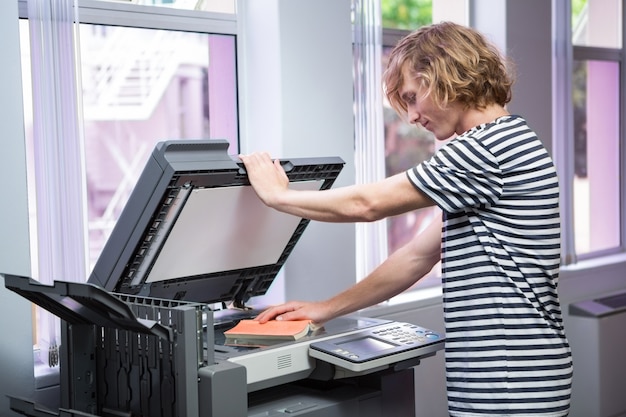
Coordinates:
x,y
411,14
579,73
406,14
577,7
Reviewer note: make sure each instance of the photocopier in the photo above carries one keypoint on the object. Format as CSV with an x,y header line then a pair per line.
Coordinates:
x,y
143,336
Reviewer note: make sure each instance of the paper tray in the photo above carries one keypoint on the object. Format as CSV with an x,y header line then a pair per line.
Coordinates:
x,y
84,303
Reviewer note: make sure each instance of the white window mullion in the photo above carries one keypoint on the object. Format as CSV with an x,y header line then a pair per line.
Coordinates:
x,y
371,238
563,130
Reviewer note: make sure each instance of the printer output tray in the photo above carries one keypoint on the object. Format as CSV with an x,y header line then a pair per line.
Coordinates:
x,y
84,303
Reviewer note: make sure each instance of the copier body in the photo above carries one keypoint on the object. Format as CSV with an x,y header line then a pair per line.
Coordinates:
x,y
143,336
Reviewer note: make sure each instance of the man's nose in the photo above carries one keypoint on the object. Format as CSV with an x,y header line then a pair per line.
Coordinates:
x,y
413,116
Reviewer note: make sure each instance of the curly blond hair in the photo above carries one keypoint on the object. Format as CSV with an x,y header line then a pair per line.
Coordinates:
x,y
454,63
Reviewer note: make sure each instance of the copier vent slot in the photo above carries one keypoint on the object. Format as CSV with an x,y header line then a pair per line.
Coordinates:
x,y
283,361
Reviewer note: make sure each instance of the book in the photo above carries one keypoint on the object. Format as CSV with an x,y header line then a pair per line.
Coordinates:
x,y
271,330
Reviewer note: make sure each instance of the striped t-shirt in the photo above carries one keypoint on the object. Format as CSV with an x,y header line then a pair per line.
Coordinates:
x,y
506,351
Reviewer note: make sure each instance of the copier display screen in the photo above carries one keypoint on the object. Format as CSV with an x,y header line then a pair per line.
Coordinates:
x,y
365,345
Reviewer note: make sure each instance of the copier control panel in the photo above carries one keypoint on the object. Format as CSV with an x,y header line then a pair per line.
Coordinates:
x,y
370,347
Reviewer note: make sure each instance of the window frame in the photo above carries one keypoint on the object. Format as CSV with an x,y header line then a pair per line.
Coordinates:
x,y
101,12
564,55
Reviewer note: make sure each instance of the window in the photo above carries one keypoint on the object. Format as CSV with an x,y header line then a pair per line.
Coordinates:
x,y
146,75
223,6
406,145
597,111
406,14
596,187
141,86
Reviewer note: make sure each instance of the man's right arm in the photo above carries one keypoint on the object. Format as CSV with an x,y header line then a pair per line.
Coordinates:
x,y
399,271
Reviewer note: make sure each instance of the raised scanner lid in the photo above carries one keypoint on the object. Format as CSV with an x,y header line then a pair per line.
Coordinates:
x,y
193,228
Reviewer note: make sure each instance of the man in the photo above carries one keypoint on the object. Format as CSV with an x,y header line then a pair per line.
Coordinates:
x,y
498,239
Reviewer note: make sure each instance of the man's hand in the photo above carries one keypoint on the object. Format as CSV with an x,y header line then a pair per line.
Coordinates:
x,y
318,312
268,178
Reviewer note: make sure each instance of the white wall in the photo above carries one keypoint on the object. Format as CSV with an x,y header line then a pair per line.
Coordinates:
x,y
16,356
296,101
508,23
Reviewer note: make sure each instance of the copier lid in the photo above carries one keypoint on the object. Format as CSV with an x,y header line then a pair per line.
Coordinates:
x,y
193,228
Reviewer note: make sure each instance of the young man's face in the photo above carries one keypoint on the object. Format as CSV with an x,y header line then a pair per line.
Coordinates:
x,y
443,123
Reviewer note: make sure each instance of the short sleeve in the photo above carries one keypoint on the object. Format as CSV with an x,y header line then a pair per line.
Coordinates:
x,y
461,175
